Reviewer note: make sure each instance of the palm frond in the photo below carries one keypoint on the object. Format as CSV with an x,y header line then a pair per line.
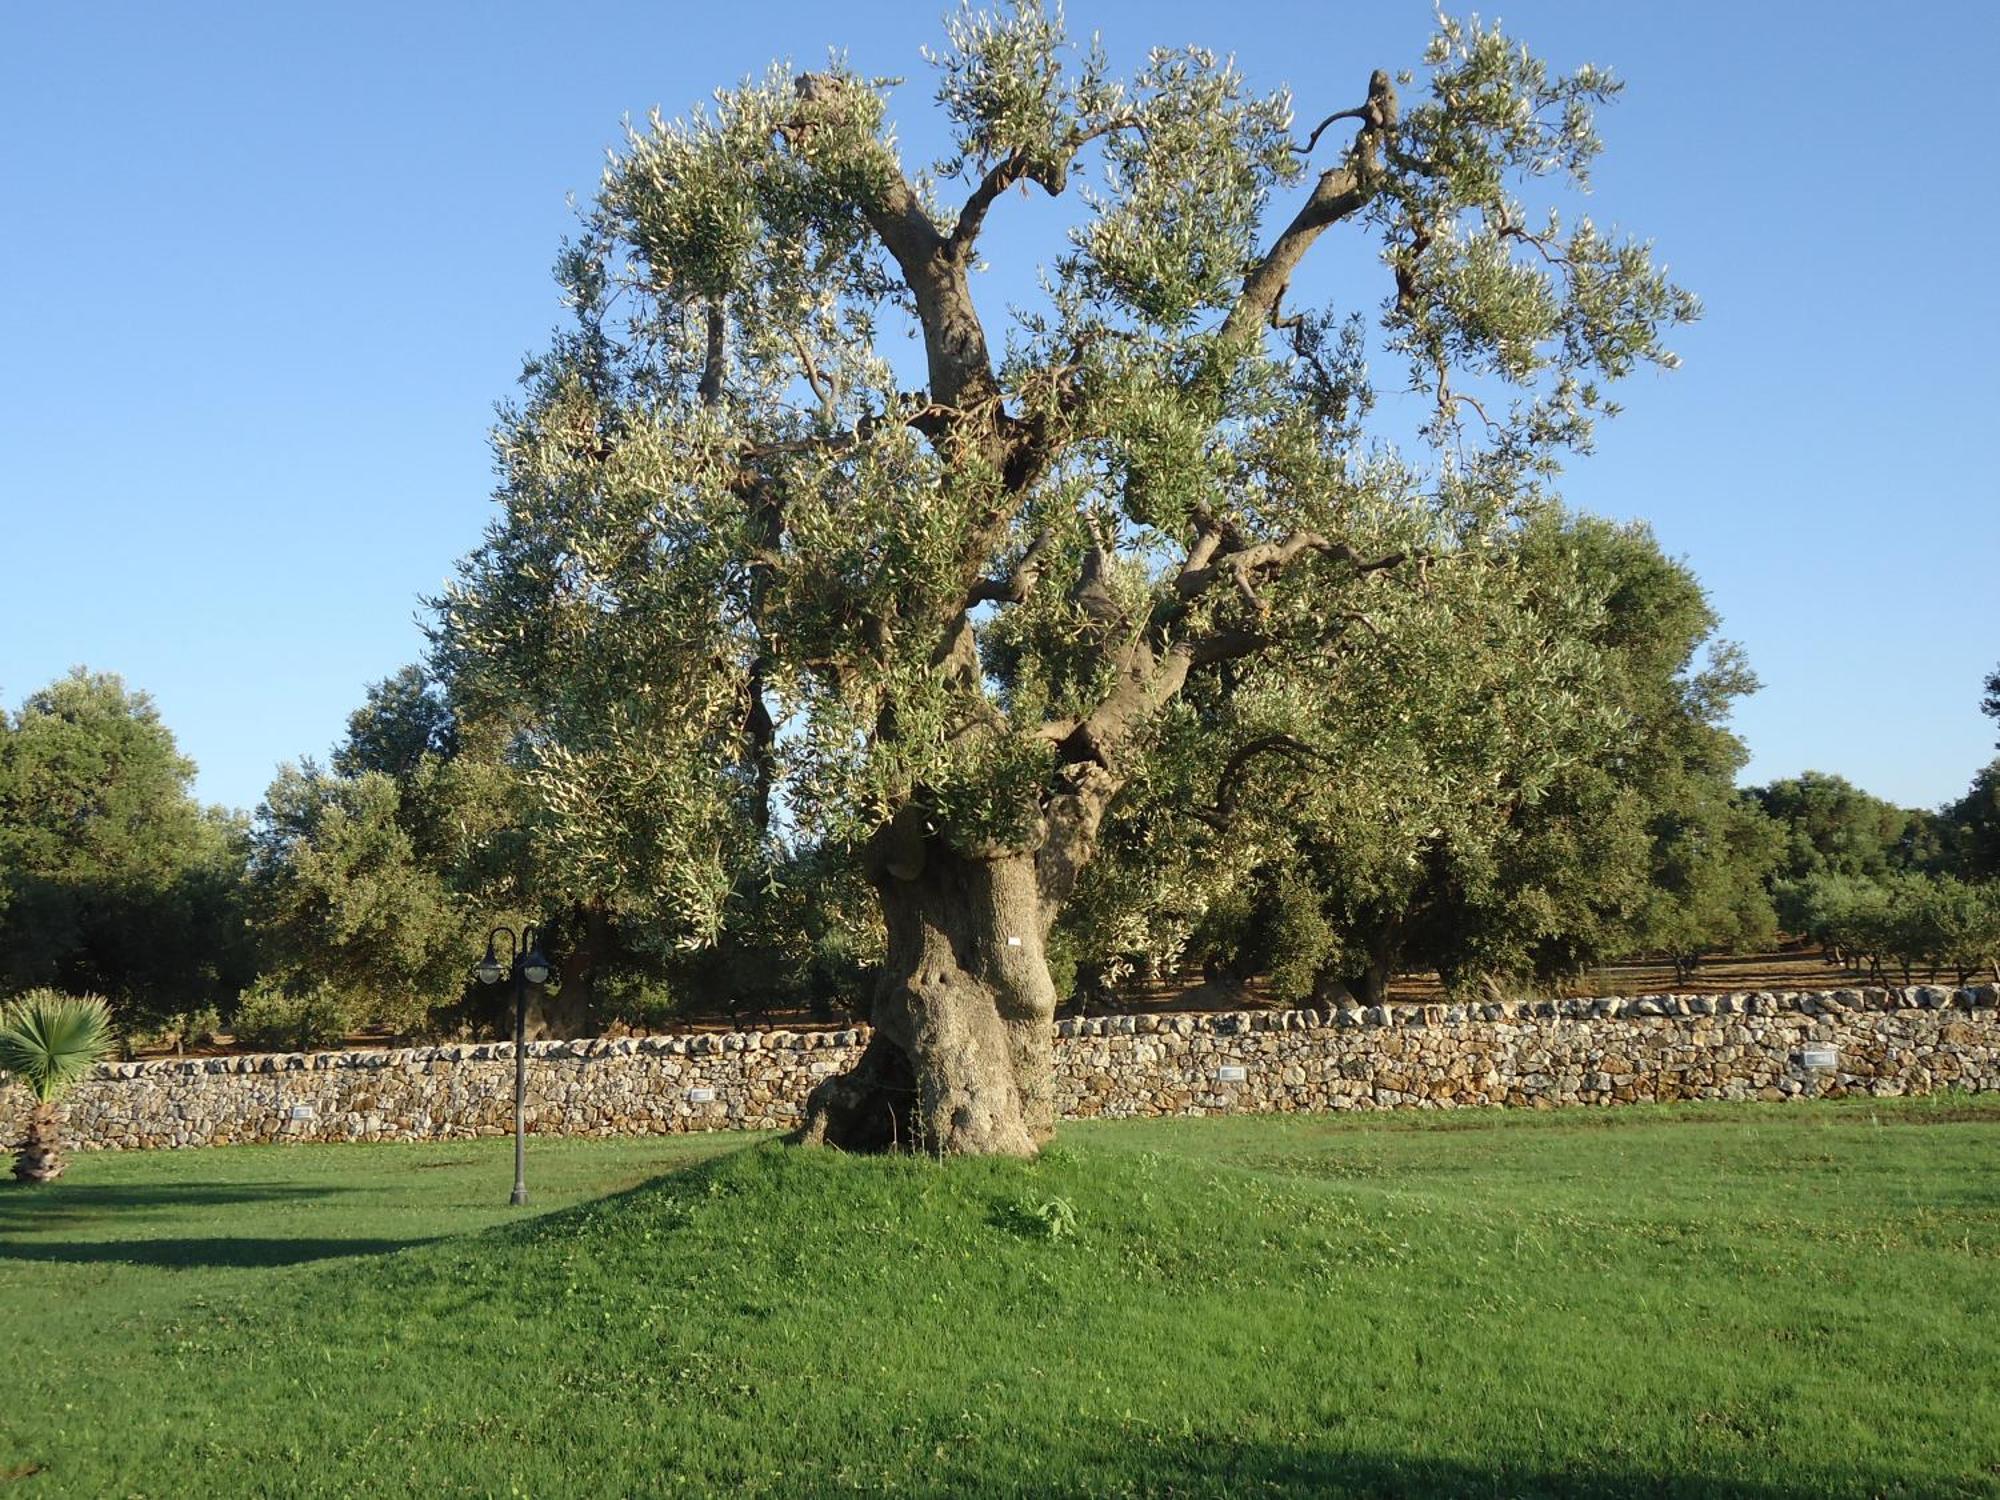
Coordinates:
x,y
48,1041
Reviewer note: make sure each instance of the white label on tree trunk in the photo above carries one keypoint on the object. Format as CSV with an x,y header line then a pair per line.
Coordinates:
x,y
1821,1057
1230,1073
302,1111
701,1096
1013,942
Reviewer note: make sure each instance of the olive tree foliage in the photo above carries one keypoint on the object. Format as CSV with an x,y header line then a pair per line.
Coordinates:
x,y
761,595
1893,888
1361,826
1971,826
1904,923
376,878
379,874
1526,779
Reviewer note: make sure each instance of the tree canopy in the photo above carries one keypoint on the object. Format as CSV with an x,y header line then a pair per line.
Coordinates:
x,y
1833,827
763,596
1517,784
113,879
376,879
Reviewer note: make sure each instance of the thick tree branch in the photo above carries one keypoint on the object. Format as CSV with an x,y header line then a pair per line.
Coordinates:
x,y
1232,781
1018,166
1093,595
1019,581
964,415
1405,265
760,730
1209,535
1359,112
1378,114
1340,193
961,368
972,217
1227,645
1151,666
1088,772
715,357
1245,567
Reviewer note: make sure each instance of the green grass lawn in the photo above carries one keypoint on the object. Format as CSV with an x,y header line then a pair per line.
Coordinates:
x,y
1777,1301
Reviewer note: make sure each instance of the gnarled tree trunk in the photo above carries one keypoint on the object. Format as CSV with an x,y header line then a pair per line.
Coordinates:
x,y
961,1062
572,1010
39,1157
1371,985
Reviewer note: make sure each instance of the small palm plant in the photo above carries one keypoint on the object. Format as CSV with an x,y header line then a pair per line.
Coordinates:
x,y
48,1042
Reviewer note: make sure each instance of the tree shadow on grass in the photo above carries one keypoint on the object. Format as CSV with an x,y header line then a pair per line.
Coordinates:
x,y
1241,1469
48,1205
208,1253
125,1213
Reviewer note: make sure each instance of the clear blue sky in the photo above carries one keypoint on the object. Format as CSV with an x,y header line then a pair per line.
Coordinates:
x,y
267,267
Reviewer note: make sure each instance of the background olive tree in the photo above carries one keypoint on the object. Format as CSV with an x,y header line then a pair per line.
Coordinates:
x,y
1517,784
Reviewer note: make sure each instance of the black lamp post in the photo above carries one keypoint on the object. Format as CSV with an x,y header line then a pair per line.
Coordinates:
x,y
527,966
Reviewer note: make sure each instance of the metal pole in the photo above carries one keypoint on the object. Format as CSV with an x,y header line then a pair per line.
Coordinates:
x,y
520,1087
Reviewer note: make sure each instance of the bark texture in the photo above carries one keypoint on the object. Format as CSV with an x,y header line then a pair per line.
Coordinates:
x,y
572,1010
39,1157
962,1060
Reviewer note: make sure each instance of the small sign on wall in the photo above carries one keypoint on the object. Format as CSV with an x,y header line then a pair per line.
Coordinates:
x,y
701,1096
1231,1073
1820,1057
300,1112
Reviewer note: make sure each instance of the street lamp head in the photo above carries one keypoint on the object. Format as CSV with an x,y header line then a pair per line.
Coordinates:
x,y
489,969
534,963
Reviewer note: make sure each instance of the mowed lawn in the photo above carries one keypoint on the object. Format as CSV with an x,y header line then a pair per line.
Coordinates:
x,y
1767,1301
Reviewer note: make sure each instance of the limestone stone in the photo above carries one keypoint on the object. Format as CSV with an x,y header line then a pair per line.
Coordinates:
x,y
1535,1055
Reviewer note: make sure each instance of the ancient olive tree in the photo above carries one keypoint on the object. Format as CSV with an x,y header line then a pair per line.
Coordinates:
x,y
766,595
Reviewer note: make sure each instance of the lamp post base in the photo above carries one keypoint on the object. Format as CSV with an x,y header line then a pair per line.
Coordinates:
x,y
518,1197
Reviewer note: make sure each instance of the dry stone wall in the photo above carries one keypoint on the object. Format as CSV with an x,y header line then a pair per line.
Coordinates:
x,y
1537,1055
